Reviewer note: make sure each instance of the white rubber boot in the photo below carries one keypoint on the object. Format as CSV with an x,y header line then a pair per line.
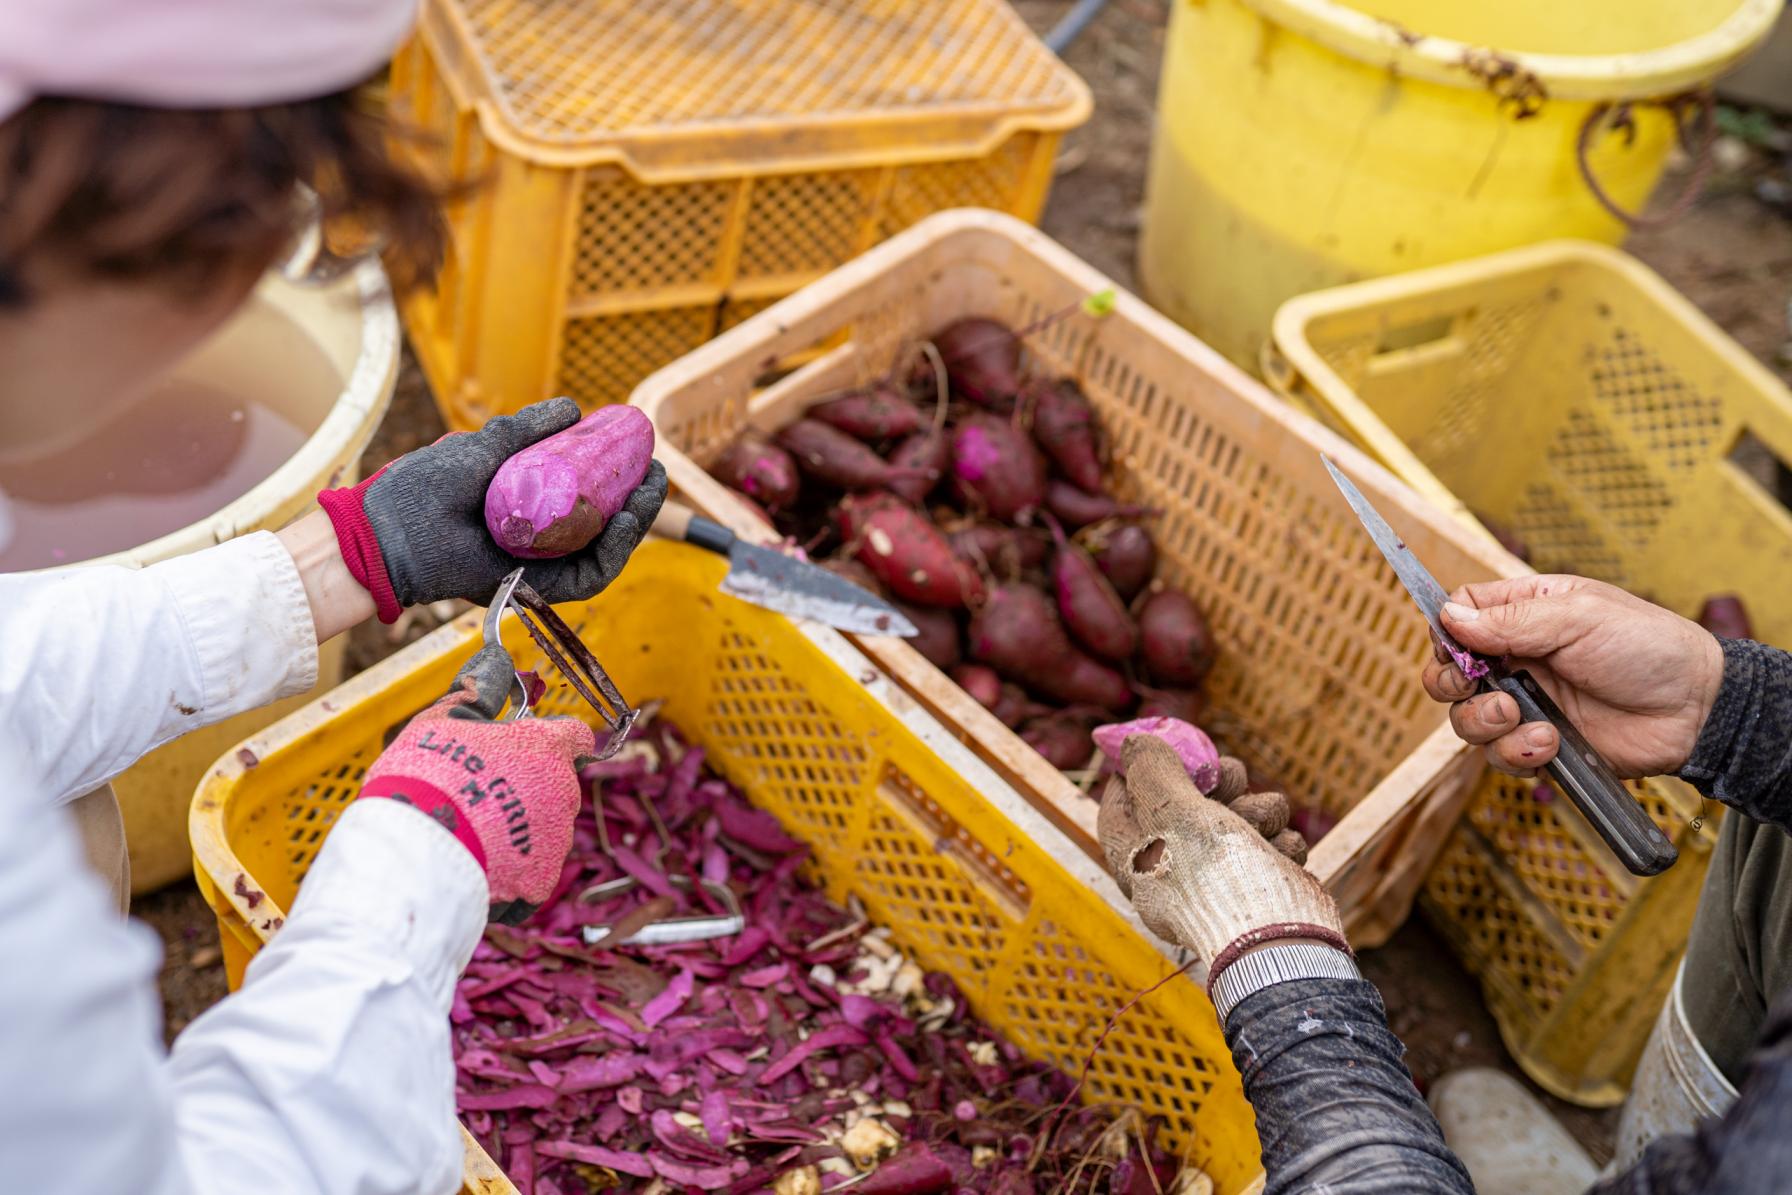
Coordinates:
x,y
1506,1137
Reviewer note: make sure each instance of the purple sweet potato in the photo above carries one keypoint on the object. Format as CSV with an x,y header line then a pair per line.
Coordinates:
x,y
1187,705
829,454
981,682
1093,612
914,1170
938,638
1064,424
760,470
1200,758
1007,551
1725,616
997,469
982,359
1174,640
1017,632
906,552
877,412
555,496
1014,706
924,458
1062,738
1125,554
1076,507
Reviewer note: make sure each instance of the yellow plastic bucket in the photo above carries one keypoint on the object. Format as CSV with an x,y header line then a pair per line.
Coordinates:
x,y
353,323
1302,144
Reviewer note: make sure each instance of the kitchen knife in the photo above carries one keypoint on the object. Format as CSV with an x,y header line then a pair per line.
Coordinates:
x,y
1577,769
769,578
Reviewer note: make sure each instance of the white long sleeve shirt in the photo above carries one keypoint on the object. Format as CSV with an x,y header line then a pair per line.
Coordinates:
x,y
330,1071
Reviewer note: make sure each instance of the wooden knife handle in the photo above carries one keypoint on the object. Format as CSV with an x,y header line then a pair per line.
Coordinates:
x,y
1591,784
680,523
673,521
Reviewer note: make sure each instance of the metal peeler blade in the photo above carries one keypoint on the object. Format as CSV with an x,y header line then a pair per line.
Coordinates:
x,y
567,652
700,928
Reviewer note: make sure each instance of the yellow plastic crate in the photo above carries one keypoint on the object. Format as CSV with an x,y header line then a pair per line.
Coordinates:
x,y
1321,650
1570,394
971,880
651,173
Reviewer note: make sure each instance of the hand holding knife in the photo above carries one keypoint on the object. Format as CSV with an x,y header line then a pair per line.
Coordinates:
x,y
1577,768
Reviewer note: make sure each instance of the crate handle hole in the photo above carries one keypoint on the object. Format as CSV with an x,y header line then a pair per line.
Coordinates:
x,y
1417,342
1760,467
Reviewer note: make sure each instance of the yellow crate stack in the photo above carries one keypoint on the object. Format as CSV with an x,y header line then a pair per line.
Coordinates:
x,y
970,879
1568,393
647,175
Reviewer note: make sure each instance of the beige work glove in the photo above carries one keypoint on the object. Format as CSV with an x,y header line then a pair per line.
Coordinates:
x,y
1199,874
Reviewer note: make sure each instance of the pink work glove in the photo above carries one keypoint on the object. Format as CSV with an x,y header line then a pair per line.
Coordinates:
x,y
507,790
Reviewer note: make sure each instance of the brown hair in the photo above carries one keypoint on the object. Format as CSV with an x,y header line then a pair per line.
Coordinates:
x,y
186,198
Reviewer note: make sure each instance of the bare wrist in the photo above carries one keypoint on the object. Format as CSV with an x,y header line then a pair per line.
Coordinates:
x,y
337,600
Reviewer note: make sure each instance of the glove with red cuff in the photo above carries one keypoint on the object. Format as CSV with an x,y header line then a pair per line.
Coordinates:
x,y
507,790
414,532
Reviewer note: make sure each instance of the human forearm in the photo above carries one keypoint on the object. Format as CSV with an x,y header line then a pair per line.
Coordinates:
x,y
333,1064
1743,756
1336,1107
99,665
337,600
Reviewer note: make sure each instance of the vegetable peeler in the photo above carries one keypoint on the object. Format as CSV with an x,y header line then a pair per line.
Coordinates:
x,y
1577,769
561,645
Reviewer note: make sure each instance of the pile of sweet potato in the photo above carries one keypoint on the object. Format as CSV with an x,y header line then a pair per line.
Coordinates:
x,y
973,495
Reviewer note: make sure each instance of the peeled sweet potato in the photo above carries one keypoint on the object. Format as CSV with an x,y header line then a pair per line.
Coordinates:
x,y
760,470
1174,640
996,468
877,412
555,496
905,551
1064,424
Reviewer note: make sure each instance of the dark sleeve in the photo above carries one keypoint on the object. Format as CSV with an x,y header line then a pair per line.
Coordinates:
x,y
1747,1151
1744,753
1336,1107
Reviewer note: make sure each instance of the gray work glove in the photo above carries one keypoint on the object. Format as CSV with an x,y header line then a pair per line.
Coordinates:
x,y
415,532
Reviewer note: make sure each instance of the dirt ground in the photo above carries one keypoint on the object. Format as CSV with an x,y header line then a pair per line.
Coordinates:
x,y
1732,255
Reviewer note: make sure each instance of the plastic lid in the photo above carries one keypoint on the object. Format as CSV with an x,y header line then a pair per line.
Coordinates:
x,y
711,87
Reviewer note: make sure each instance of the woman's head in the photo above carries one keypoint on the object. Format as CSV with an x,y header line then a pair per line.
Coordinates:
x,y
152,158
194,203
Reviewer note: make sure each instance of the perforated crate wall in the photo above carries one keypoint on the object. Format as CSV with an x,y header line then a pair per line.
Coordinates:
x,y
969,880
1568,394
639,187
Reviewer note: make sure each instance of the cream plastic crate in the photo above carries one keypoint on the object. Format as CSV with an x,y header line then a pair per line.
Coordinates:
x,y
1321,649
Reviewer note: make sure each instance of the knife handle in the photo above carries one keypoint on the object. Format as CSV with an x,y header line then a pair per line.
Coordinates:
x,y
679,522
1591,784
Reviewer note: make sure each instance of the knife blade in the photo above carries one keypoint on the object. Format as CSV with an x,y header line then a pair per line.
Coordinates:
x,y
792,587
1577,768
